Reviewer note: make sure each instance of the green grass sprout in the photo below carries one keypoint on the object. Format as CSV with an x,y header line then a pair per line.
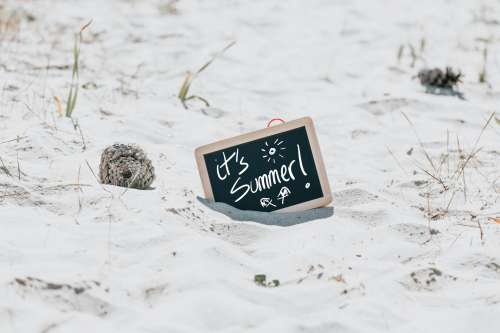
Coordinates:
x,y
75,75
184,95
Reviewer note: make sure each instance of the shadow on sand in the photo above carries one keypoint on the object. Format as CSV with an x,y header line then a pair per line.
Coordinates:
x,y
444,92
279,219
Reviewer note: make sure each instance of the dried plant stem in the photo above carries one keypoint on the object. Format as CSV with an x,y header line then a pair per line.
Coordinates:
x,y
481,232
4,168
19,138
79,190
474,150
96,178
77,126
438,179
427,156
18,168
460,169
397,161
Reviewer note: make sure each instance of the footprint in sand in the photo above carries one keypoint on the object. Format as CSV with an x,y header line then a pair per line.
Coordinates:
x,y
64,297
239,233
485,266
344,200
360,133
353,197
428,279
382,107
236,233
154,294
379,108
213,113
414,232
369,217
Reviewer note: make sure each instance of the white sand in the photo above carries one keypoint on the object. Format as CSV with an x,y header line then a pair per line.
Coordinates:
x,y
159,260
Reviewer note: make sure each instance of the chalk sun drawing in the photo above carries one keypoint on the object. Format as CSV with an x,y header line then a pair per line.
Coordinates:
x,y
273,151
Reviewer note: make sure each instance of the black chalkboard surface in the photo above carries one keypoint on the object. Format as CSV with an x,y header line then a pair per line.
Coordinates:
x,y
274,169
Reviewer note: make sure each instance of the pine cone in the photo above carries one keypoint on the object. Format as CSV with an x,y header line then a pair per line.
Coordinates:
x,y
126,166
436,78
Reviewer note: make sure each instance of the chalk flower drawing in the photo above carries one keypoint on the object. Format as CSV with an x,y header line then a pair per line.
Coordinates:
x,y
271,152
284,192
266,202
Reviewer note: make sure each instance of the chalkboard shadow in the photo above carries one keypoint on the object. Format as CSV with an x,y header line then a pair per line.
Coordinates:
x,y
279,219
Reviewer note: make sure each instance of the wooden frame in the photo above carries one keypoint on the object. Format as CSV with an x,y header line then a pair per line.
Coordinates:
x,y
240,139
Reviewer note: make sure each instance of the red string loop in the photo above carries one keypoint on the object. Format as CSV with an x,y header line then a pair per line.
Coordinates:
x,y
275,119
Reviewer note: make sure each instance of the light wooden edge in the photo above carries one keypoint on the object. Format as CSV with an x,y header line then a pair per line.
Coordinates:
x,y
313,141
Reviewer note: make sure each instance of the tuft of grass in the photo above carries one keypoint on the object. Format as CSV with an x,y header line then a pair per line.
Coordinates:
x,y
261,280
183,94
75,75
449,182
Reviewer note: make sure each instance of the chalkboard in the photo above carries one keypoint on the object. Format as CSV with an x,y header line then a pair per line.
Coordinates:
x,y
273,169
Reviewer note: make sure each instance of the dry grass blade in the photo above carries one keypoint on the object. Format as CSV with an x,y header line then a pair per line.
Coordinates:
x,y
86,26
79,191
483,129
461,167
76,126
400,52
218,54
19,138
474,150
481,232
130,183
18,168
397,161
427,156
4,168
84,144
439,180
183,94
59,108
92,171
96,178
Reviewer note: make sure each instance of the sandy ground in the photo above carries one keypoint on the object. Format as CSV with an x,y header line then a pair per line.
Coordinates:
x,y
413,245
